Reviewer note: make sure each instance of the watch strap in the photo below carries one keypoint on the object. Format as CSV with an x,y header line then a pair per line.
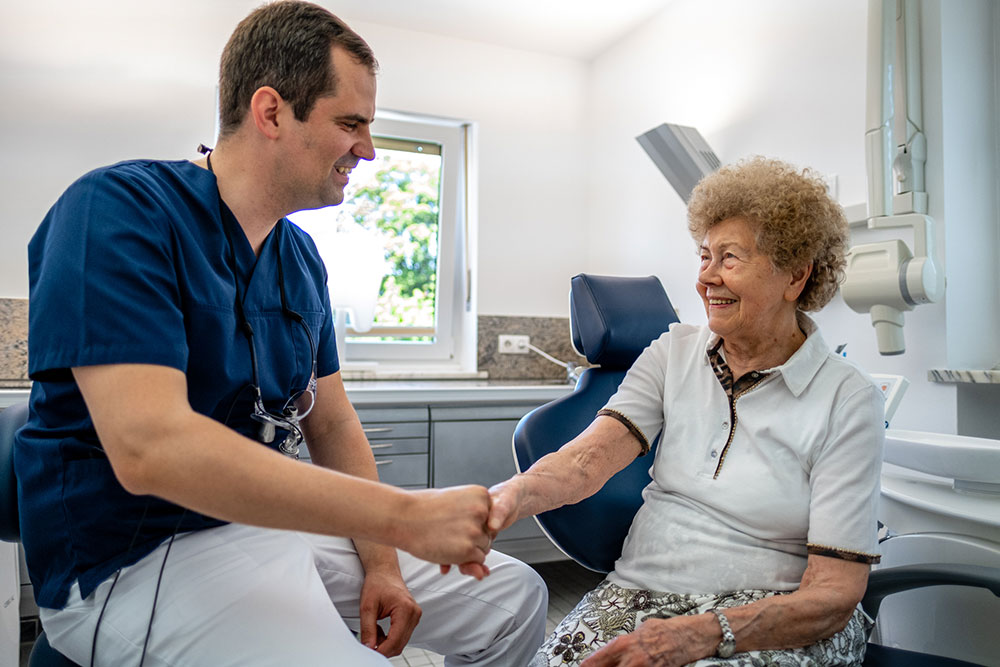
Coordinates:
x,y
727,646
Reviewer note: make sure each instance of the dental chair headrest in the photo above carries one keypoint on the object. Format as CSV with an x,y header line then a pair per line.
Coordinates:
x,y
613,318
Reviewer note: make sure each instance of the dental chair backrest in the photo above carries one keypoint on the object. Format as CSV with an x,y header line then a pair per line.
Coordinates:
x,y
612,320
11,420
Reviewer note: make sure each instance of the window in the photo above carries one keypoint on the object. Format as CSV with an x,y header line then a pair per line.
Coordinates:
x,y
397,249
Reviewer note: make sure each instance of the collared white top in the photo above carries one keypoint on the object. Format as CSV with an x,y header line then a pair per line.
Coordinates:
x,y
800,475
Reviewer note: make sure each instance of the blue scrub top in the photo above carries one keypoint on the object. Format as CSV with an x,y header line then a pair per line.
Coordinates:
x,y
130,266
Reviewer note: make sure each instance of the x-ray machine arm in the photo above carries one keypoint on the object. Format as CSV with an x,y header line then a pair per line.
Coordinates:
x,y
885,279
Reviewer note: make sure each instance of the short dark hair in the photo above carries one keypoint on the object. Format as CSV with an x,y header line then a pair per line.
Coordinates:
x,y
285,45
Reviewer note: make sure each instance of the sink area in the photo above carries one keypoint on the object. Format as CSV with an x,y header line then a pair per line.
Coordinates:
x,y
941,483
940,502
974,463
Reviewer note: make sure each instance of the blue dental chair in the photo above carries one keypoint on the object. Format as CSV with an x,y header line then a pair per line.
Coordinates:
x,y
11,419
612,319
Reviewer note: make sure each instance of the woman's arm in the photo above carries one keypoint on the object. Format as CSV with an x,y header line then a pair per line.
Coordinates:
x,y
577,470
831,589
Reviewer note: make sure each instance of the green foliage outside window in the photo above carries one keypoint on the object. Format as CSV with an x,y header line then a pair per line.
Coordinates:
x,y
399,199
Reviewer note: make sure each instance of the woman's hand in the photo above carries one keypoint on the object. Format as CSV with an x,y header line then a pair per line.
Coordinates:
x,y
505,504
660,642
822,606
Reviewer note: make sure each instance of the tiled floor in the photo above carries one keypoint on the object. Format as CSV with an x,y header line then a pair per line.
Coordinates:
x,y
567,583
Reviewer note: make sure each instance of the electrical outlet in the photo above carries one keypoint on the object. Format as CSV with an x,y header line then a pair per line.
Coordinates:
x,y
514,344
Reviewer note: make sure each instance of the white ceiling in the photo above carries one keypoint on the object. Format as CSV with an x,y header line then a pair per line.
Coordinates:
x,y
69,31
578,29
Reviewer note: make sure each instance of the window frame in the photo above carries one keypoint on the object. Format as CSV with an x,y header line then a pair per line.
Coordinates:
x,y
454,347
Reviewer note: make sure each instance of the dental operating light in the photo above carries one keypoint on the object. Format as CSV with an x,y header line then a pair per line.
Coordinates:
x,y
681,154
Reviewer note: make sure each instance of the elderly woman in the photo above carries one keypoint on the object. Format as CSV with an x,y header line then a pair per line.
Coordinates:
x,y
754,540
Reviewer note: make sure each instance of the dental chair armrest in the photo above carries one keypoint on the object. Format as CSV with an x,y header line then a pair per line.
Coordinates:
x,y
882,583
11,419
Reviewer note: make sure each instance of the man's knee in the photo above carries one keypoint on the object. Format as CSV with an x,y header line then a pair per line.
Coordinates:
x,y
519,584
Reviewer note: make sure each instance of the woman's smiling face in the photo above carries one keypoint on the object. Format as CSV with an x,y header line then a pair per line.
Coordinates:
x,y
746,298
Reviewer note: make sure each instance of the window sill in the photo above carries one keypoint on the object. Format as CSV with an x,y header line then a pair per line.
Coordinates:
x,y
373,371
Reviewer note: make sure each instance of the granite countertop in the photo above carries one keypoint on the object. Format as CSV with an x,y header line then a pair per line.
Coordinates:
x,y
454,391
963,376
14,343
372,392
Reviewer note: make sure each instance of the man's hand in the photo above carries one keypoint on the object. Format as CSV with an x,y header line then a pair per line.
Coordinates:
x,y
504,499
448,526
384,595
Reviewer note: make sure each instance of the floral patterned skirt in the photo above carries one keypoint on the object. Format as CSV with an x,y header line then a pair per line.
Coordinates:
x,y
609,611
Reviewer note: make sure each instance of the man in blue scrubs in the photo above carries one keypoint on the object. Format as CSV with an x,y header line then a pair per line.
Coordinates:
x,y
181,345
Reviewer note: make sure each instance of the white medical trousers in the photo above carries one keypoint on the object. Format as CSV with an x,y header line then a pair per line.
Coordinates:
x,y
254,597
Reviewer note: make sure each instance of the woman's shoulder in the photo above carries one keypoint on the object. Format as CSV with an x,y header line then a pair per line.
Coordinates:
x,y
681,333
848,376
680,339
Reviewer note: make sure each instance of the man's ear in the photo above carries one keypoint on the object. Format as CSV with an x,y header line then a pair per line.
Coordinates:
x,y
798,282
265,108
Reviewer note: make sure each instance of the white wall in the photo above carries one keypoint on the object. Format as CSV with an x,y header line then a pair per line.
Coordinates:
x,y
787,79
970,180
564,187
530,109
92,83
970,82
770,77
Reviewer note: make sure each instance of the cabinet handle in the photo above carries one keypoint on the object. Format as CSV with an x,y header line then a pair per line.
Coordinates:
x,y
377,429
385,445
383,462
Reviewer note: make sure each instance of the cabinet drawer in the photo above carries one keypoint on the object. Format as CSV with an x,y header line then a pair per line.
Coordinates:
x,y
383,431
399,446
403,469
398,414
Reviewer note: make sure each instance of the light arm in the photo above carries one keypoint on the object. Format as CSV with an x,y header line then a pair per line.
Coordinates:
x,y
822,606
158,445
577,470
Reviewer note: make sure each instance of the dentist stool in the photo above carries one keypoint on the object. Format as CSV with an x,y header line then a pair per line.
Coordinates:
x,y
612,319
11,419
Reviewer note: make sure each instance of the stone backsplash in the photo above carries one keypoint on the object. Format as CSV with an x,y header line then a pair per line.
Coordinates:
x,y
550,334
13,343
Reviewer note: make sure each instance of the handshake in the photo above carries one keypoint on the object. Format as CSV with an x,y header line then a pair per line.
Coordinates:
x,y
457,525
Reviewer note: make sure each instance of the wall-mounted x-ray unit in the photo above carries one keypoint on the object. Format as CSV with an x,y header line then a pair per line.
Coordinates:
x,y
885,279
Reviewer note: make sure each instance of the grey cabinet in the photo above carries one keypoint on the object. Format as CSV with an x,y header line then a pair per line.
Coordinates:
x,y
472,445
423,446
400,441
